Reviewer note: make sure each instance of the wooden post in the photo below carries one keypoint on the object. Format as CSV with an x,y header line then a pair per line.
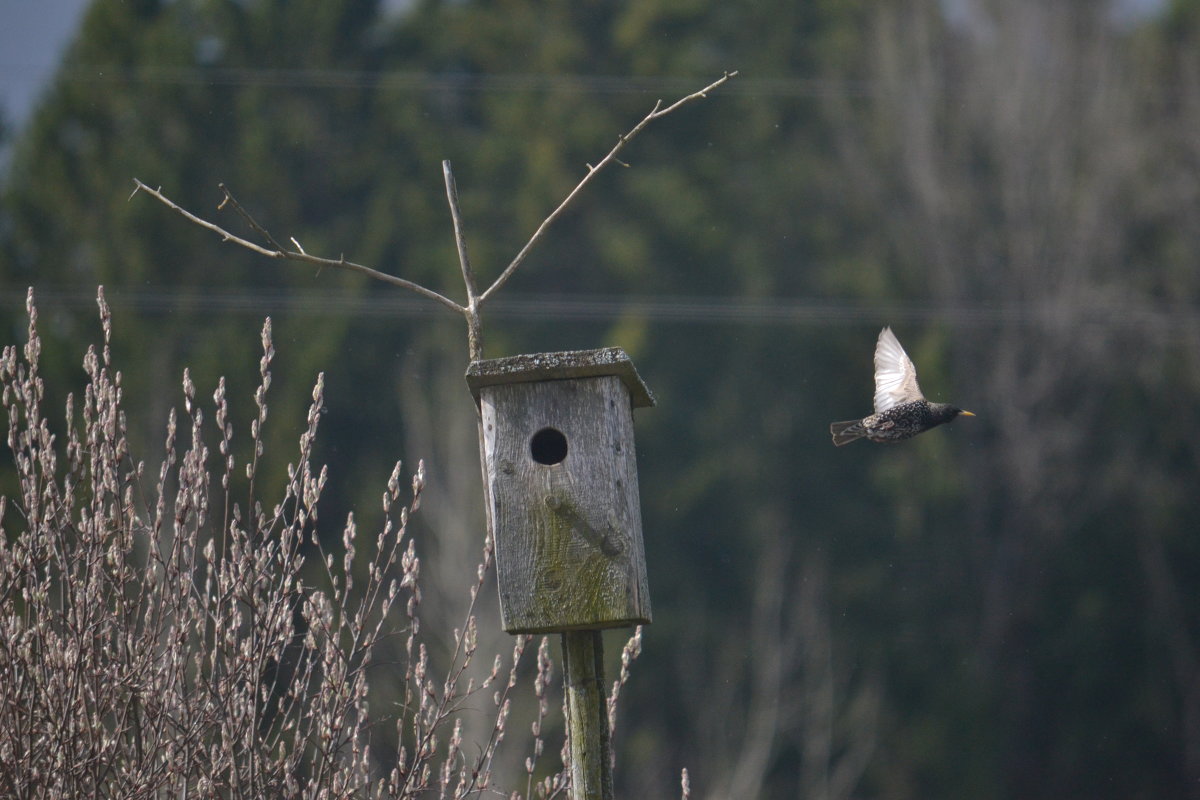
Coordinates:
x,y
587,717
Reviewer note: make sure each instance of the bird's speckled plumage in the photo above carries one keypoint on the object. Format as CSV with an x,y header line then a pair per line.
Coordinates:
x,y
901,411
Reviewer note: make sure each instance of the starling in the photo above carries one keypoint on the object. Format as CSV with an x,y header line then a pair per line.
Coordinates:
x,y
901,411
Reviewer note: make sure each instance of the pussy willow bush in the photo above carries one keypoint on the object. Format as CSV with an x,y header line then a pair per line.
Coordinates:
x,y
159,640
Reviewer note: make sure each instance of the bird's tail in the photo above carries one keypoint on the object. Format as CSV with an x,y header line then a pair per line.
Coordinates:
x,y
846,432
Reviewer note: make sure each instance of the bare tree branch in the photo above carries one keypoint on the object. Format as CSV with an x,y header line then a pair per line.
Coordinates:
x,y
475,300
251,221
292,255
459,238
655,113
471,312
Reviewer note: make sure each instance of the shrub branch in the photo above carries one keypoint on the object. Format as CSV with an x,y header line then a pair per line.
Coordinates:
x,y
470,310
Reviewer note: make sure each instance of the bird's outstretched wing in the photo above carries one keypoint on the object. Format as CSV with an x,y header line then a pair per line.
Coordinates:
x,y
895,375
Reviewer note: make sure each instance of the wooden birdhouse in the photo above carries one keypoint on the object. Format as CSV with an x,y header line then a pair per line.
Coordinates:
x,y
562,489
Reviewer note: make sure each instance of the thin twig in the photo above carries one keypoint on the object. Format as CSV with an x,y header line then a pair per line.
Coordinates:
x,y
471,312
622,140
292,255
251,221
459,237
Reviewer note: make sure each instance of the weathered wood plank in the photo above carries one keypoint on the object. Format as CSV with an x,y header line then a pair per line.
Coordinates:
x,y
569,551
565,365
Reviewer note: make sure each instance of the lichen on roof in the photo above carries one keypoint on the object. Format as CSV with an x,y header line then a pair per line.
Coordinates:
x,y
563,365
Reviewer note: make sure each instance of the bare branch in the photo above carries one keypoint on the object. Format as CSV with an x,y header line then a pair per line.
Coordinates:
x,y
655,113
459,238
203,223
471,312
293,255
251,221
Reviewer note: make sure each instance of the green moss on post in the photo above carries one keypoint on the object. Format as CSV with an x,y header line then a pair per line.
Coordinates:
x,y
587,720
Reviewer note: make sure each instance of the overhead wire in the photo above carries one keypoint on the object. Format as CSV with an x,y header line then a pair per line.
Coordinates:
x,y
677,309
556,307
410,80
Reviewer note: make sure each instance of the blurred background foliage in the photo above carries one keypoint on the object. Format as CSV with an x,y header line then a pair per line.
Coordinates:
x,y
1006,608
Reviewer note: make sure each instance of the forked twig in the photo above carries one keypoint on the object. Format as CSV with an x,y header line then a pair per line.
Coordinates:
x,y
475,299
471,311
459,237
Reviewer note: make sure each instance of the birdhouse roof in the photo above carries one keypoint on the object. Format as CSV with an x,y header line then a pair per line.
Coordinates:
x,y
565,365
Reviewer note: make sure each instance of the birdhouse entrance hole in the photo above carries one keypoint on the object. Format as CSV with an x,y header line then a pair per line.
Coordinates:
x,y
548,446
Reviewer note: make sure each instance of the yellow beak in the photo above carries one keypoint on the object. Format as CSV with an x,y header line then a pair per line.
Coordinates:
x,y
967,413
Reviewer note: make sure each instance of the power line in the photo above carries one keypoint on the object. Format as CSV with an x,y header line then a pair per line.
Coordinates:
x,y
667,309
783,86
658,86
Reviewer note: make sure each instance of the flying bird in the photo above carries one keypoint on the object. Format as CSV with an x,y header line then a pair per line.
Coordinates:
x,y
901,411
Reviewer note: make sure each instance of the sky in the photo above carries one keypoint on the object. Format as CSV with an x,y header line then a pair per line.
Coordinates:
x,y
32,39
